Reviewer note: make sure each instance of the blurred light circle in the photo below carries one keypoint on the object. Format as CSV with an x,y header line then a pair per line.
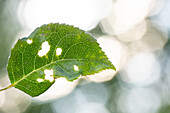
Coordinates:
x,y
60,88
16,101
167,68
69,103
156,6
164,16
154,38
94,92
2,98
84,14
13,100
9,109
142,100
125,14
90,98
134,33
141,69
92,108
165,84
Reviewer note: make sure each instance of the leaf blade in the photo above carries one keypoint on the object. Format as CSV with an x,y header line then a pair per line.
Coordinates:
x,y
60,49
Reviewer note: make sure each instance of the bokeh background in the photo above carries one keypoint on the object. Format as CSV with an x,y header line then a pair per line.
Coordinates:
x,y
135,35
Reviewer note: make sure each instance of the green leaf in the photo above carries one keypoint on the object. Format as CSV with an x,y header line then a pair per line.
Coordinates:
x,y
53,51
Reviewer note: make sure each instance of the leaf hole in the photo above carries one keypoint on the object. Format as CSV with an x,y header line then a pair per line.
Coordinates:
x,y
40,80
58,51
76,68
29,41
49,75
45,49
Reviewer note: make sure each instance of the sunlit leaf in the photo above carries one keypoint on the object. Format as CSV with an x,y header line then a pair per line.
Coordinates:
x,y
53,51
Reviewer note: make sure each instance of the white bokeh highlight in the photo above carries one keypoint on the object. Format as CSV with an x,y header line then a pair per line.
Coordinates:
x,y
139,100
60,88
85,99
164,16
126,14
141,69
84,14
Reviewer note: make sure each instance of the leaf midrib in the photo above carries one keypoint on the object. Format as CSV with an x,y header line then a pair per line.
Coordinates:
x,y
50,64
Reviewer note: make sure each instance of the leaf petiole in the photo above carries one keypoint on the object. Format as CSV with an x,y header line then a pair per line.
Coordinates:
x,y
7,87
